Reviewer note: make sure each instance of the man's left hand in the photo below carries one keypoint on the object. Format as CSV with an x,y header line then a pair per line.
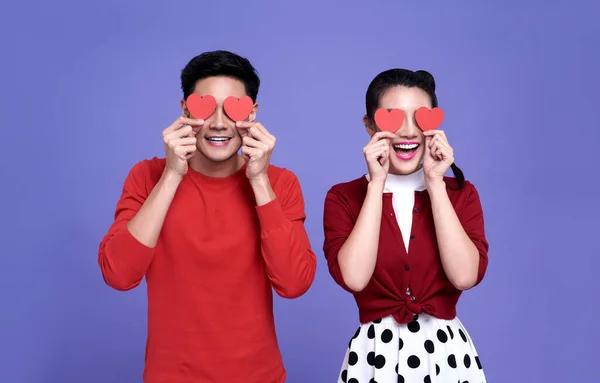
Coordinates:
x,y
257,147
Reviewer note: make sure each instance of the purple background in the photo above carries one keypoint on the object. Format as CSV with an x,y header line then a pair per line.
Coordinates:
x,y
87,87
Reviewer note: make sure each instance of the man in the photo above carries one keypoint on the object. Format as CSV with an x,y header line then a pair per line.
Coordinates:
x,y
212,231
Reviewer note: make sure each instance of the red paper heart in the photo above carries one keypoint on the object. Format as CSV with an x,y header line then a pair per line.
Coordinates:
x,y
389,121
238,109
429,119
201,107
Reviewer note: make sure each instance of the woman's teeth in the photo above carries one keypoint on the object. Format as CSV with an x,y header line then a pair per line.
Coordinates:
x,y
406,146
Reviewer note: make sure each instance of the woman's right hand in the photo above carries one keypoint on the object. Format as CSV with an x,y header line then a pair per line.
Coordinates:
x,y
377,154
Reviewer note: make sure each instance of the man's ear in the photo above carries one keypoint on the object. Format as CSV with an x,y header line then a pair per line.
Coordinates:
x,y
184,109
369,125
252,115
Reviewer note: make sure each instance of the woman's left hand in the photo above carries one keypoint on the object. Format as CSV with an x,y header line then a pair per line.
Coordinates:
x,y
439,155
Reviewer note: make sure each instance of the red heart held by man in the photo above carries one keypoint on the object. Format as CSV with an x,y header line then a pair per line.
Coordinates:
x,y
389,120
429,119
201,107
238,109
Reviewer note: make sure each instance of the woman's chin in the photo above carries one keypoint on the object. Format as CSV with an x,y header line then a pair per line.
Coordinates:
x,y
403,166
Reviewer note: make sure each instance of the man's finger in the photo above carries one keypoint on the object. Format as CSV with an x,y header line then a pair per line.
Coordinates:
x,y
264,131
251,152
253,143
185,131
258,134
180,122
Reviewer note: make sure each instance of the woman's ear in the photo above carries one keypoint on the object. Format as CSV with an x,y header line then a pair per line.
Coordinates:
x,y
369,125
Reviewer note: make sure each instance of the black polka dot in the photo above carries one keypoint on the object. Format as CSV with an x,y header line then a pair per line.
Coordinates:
x,y
400,344
467,361
353,380
356,333
437,369
478,362
416,317
427,379
379,362
450,332
462,335
371,332
386,336
371,358
429,347
400,379
372,380
344,375
413,361
352,358
452,361
414,326
377,320
441,335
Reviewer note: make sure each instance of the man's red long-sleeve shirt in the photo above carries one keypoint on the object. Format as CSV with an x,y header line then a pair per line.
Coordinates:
x,y
210,275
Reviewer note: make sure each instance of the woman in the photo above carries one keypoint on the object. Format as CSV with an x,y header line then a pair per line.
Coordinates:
x,y
406,295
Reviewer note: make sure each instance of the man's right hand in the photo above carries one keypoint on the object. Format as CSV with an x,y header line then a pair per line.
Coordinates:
x,y
180,144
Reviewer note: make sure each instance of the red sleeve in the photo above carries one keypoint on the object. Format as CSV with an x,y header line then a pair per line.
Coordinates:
x,y
123,259
471,218
337,226
290,261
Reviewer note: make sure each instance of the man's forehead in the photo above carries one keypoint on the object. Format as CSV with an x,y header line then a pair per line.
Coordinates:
x,y
220,84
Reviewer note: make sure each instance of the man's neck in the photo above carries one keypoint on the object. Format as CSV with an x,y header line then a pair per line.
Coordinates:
x,y
204,166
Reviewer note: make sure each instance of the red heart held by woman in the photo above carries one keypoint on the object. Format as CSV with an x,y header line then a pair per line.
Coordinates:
x,y
389,120
429,119
201,107
238,109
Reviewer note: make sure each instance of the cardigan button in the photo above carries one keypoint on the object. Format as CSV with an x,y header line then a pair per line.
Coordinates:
x,y
407,267
416,210
412,236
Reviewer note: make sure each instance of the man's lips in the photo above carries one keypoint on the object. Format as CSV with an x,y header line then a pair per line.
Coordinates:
x,y
218,140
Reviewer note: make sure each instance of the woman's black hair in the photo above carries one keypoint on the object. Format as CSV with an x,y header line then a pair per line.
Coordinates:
x,y
403,77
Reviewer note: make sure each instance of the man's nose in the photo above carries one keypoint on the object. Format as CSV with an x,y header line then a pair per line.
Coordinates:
x,y
219,119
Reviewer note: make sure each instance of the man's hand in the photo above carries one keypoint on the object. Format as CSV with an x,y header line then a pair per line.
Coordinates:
x,y
180,144
257,147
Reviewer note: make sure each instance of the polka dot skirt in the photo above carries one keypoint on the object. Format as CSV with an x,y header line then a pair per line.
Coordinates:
x,y
428,350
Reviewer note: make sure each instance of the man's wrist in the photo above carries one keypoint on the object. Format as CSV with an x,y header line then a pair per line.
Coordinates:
x,y
259,181
171,179
261,186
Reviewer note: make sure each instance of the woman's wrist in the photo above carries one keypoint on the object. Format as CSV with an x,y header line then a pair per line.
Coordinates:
x,y
437,188
375,187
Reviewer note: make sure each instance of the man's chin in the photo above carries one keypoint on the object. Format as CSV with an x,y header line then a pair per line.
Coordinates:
x,y
223,156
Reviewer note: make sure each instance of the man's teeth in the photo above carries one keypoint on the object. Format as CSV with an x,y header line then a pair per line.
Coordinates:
x,y
218,139
406,146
